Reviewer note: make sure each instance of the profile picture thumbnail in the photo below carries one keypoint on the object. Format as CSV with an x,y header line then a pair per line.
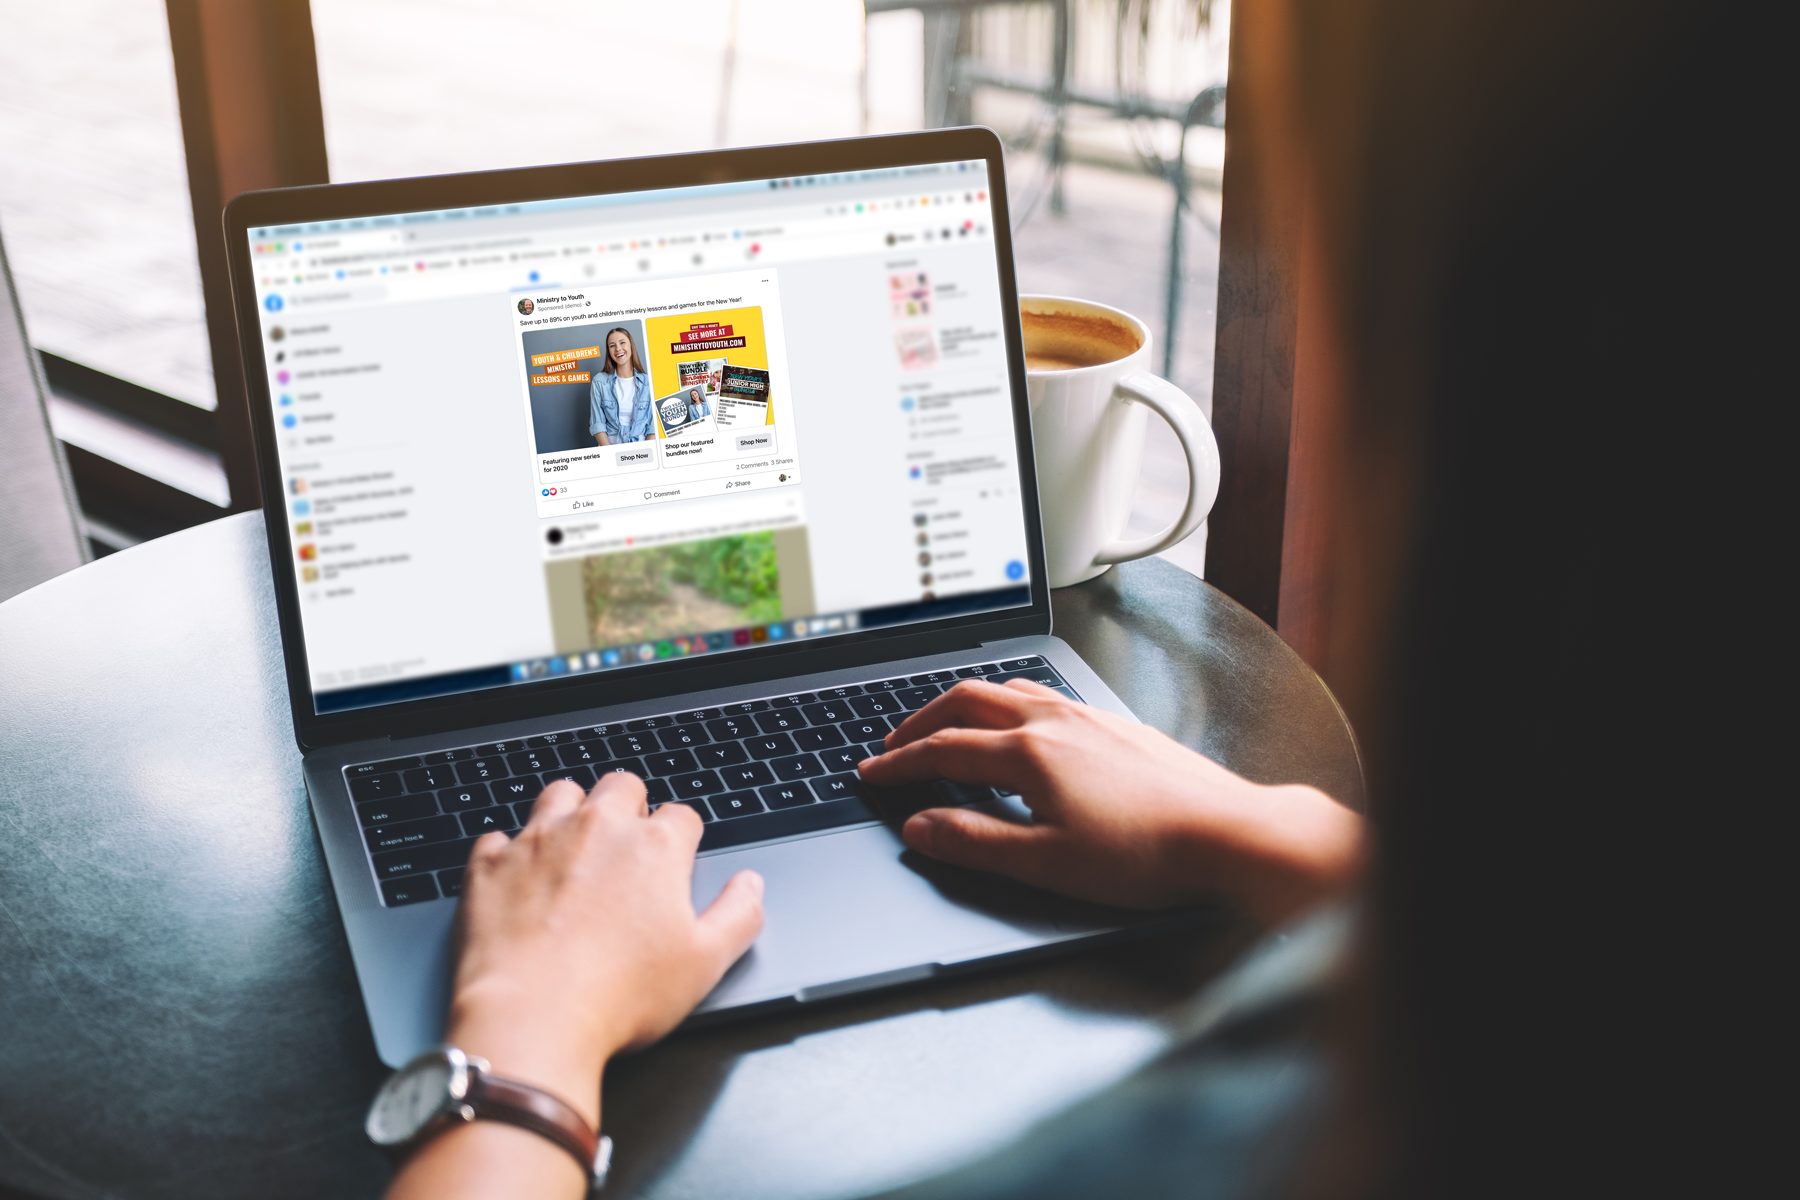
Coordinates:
x,y
527,306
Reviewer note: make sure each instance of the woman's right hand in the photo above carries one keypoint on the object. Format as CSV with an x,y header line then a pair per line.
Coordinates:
x,y
1123,815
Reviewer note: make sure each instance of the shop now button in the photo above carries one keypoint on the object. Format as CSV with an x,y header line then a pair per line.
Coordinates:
x,y
747,442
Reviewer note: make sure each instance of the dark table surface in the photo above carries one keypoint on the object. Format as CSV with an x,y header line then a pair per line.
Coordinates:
x,y
181,1018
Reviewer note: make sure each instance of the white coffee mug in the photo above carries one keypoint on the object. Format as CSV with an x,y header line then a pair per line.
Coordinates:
x,y
1087,422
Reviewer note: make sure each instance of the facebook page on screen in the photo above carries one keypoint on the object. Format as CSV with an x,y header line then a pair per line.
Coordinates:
x,y
552,437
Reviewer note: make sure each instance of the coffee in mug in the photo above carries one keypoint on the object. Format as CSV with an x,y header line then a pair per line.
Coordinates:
x,y
1066,339
1085,370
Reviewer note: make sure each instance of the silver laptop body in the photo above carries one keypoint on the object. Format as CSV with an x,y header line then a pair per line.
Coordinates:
x,y
488,555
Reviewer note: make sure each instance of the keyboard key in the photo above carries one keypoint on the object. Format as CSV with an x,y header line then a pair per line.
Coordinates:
x,y
428,779
487,820
967,793
681,737
794,701
479,770
899,803
1043,675
918,697
581,777
818,739
869,729
828,712
800,766
747,775
383,767
1020,664
786,795
745,707
696,716
671,762
632,766
411,833
807,818
770,745
884,685
441,758
873,749
579,754
532,762
977,672
401,808
410,861
645,724
700,783
736,804
942,678
840,693
874,706
500,749
730,729
840,787
599,731
521,787
462,799
699,806
1068,691
522,811
451,881
657,791
720,754
542,740
627,744
780,720
409,890
375,787
844,758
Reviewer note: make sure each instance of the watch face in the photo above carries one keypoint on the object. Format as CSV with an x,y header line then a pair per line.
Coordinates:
x,y
412,1096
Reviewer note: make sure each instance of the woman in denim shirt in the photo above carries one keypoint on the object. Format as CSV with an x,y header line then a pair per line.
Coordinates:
x,y
619,402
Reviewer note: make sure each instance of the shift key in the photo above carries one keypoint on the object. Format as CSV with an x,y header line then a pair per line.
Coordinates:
x,y
432,857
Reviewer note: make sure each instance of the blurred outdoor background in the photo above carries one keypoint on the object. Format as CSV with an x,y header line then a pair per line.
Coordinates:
x,y
1112,111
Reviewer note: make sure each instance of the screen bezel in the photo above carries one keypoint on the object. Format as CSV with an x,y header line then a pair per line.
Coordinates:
x,y
515,701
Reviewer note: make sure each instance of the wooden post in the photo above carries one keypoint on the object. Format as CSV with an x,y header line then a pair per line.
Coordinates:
x,y
247,80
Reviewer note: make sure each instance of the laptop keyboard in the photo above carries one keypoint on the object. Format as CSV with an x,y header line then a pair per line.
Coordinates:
x,y
755,770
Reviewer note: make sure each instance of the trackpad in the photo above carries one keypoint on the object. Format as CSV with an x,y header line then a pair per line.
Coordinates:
x,y
857,909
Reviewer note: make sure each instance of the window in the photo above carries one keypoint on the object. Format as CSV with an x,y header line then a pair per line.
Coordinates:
x,y
471,90
94,199
468,85
95,207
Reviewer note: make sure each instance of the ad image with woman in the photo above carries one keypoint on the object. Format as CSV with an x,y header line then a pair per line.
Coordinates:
x,y
621,407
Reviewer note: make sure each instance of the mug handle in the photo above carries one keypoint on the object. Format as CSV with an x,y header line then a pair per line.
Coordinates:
x,y
1183,414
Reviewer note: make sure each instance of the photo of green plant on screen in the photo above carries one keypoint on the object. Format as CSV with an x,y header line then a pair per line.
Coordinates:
x,y
713,584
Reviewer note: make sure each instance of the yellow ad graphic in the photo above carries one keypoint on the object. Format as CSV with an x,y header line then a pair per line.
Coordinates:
x,y
716,362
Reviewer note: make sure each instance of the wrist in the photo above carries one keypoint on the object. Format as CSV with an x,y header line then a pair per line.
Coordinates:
x,y
1288,847
524,1043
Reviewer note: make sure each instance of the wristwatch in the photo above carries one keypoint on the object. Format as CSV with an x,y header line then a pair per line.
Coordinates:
x,y
444,1087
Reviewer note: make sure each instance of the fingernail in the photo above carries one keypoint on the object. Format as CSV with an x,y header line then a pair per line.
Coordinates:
x,y
920,827
755,882
865,762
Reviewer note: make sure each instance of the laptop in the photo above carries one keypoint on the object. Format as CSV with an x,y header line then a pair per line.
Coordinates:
x,y
706,467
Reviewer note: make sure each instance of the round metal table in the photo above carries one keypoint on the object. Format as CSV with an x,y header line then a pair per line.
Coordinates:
x,y
182,1019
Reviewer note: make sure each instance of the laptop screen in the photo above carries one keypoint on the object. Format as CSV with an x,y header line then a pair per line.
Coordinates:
x,y
529,440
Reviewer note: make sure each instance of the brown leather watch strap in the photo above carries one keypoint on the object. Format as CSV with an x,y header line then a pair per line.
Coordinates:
x,y
496,1098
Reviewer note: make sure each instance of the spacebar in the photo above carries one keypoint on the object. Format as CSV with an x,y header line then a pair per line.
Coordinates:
x,y
785,822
